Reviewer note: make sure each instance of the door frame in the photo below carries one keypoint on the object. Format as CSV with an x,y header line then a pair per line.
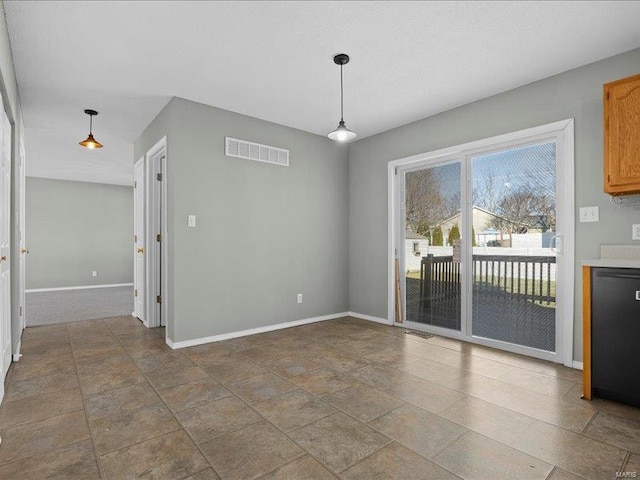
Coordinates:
x,y
563,132
155,190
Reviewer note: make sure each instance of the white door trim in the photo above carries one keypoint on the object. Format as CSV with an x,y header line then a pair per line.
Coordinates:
x,y
139,240
158,150
563,131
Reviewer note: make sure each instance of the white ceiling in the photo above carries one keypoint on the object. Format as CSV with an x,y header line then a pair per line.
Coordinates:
x,y
273,60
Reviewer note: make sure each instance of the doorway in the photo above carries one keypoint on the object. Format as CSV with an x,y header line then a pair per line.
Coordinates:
x,y
483,236
150,245
5,247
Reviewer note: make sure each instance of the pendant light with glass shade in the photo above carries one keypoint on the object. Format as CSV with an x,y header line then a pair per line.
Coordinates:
x,y
90,142
342,133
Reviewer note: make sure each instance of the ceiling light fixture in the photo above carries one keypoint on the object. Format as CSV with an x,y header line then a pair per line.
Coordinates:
x,y
342,133
90,142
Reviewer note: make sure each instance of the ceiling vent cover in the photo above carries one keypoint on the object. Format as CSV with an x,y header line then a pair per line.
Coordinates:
x,y
256,151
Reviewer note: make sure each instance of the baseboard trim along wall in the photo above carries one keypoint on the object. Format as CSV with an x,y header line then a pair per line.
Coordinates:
x,y
577,365
371,318
253,331
80,287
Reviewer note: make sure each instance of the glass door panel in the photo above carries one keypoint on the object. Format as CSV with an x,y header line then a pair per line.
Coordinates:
x,y
432,253
514,259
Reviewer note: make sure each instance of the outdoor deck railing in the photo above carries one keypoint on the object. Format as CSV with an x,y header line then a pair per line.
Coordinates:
x,y
530,278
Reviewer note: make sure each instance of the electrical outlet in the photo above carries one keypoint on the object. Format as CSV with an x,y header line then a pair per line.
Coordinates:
x,y
94,274
589,214
299,298
635,231
191,221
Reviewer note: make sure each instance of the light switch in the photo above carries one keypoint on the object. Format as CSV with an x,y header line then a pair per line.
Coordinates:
x,y
191,221
589,214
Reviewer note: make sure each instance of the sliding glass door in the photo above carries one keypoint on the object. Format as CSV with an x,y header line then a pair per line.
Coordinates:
x,y
478,235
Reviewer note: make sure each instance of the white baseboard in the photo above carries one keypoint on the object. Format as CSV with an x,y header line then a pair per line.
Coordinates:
x,y
577,365
362,316
252,331
80,287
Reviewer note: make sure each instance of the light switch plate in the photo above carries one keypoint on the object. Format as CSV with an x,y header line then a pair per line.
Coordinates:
x,y
589,214
635,231
191,222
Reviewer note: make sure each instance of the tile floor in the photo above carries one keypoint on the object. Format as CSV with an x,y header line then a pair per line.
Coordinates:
x,y
343,399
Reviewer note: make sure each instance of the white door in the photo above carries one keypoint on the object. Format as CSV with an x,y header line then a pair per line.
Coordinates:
x,y
5,225
20,235
139,240
154,236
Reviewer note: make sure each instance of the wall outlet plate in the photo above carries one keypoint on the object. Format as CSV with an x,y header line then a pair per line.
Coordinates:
x,y
191,221
299,298
635,231
589,214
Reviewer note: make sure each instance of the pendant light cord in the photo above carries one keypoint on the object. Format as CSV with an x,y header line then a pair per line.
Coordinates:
x,y
341,96
90,124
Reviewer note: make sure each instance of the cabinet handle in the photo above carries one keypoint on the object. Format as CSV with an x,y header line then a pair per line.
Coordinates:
x,y
638,295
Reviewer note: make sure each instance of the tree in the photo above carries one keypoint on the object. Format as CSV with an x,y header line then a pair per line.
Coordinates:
x,y
473,237
437,238
454,234
423,229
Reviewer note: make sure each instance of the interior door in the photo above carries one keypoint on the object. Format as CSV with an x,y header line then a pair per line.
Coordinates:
x,y
154,242
5,226
139,240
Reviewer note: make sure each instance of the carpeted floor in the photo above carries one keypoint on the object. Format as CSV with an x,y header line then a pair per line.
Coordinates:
x,y
44,308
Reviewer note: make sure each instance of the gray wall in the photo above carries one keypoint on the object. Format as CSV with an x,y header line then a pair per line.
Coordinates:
x,y
73,228
575,94
264,233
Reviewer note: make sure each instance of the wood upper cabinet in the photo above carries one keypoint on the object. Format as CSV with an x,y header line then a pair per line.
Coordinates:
x,y
622,136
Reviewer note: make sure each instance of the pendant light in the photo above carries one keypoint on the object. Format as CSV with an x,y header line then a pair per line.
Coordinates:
x,y
90,142
342,133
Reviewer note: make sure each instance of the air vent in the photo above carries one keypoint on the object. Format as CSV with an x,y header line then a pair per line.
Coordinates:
x,y
256,151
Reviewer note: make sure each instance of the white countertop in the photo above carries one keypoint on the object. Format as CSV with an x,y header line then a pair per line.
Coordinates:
x,y
612,262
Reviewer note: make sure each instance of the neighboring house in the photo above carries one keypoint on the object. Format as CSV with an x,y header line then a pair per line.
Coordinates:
x,y
484,225
415,247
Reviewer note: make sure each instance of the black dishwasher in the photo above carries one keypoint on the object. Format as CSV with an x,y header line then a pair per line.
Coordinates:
x,y
615,334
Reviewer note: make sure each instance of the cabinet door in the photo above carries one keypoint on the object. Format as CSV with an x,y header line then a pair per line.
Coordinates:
x,y
622,136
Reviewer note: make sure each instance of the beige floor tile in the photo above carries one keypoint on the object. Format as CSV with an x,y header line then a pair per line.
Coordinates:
x,y
543,407
163,361
381,377
41,385
483,366
467,457
235,370
192,394
419,430
73,462
242,343
120,401
39,437
396,461
426,394
261,387
305,468
322,381
568,450
39,407
144,345
294,409
34,366
213,419
343,361
433,371
250,452
433,352
559,474
177,375
362,347
263,354
363,402
92,352
633,465
124,429
338,441
170,457
618,431
211,354
111,379
538,382
207,474
292,365
392,356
